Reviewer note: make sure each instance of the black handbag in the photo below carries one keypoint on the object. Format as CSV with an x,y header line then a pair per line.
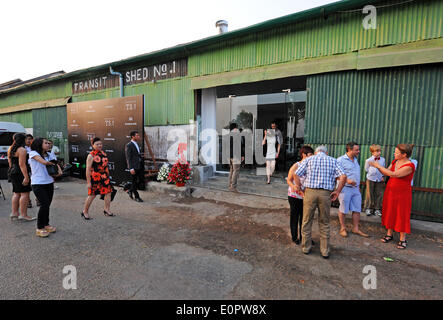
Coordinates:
x,y
52,170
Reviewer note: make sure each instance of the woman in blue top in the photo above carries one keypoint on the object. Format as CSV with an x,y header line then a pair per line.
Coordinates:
x,y
42,183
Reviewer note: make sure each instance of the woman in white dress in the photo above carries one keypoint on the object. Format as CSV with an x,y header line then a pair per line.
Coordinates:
x,y
272,152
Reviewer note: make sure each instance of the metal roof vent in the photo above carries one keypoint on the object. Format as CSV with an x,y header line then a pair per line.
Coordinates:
x,y
222,26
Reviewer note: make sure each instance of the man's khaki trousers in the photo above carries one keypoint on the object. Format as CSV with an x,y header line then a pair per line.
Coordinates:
x,y
234,170
316,198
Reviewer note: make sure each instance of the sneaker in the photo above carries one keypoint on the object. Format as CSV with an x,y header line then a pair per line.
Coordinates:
x,y
378,213
41,233
368,212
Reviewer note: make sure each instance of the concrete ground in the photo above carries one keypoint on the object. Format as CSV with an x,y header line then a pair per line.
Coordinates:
x,y
214,245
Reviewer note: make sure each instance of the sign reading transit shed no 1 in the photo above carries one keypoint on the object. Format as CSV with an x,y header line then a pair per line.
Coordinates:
x,y
109,119
168,70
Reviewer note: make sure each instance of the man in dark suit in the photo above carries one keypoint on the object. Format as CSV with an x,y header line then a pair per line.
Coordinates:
x,y
135,164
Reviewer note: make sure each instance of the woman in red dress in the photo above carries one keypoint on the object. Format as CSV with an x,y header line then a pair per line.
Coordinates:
x,y
97,178
397,199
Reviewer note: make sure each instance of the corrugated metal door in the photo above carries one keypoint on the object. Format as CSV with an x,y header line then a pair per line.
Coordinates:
x,y
51,123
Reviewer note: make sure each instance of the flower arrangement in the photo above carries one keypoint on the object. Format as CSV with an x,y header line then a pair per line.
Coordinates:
x,y
163,173
180,173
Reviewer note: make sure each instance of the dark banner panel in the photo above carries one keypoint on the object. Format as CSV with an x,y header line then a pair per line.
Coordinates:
x,y
111,120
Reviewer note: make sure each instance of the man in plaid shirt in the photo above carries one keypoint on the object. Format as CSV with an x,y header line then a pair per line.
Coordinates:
x,y
321,172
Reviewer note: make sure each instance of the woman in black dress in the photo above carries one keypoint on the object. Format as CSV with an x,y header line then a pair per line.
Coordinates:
x,y
19,174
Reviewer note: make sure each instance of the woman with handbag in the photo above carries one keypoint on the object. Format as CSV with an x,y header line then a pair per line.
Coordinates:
x,y
42,182
19,174
97,178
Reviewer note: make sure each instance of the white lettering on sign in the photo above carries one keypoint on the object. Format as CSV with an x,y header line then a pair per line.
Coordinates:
x,y
95,83
109,122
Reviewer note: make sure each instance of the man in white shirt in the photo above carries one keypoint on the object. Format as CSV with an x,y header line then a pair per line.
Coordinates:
x,y
55,151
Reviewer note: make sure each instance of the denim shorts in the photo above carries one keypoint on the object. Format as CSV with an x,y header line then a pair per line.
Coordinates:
x,y
350,200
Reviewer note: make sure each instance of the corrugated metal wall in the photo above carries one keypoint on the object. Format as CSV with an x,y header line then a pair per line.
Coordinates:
x,y
166,102
48,92
338,33
386,107
25,118
382,106
47,122
51,123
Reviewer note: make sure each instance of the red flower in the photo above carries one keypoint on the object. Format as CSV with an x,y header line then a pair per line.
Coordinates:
x,y
180,172
104,190
96,176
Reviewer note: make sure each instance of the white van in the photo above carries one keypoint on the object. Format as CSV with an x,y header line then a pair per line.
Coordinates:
x,y
7,131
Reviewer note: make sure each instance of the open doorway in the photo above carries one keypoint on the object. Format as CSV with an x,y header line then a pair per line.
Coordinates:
x,y
255,106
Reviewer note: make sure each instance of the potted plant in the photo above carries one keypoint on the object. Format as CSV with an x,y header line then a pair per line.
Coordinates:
x,y
180,173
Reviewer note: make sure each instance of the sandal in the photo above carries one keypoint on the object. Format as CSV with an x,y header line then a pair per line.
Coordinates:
x,y
387,238
42,233
402,245
50,229
27,218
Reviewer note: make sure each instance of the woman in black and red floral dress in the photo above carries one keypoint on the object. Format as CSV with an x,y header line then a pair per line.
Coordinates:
x,y
97,178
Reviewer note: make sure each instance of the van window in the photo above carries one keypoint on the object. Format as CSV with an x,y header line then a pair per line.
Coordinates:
x,y
6,138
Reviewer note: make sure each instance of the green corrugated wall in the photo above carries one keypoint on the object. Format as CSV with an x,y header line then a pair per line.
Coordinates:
x,y
338,33
385,107
55,90
50,123
25,118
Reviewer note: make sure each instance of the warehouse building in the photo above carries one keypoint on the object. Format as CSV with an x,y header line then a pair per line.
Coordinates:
x,y
368,71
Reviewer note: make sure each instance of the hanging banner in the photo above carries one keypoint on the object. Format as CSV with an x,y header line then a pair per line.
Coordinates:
x,y
111,120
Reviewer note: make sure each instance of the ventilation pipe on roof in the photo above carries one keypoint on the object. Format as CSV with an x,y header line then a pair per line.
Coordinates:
x,y
121,79
222,26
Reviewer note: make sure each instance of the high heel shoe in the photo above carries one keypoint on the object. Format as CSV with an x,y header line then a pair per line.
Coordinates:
x,y
108,214
84,217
